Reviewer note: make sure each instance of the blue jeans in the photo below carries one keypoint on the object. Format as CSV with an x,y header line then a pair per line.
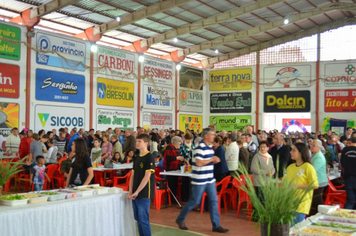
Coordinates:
x,y
141,206
350,187
299,217
38,187
194,200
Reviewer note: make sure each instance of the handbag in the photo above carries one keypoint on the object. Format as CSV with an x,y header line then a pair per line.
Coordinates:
x,y
108,164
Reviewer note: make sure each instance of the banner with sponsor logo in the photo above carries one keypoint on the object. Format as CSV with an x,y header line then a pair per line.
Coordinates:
x,y
340,74
157,98
114,119
59,86
191,78
9,81
9,117
287,101
153,120
115,93
55,117
190,122
10,50
230,102
190,101
230,123
161,71
111,60
293,76
61,52
236,79
342,100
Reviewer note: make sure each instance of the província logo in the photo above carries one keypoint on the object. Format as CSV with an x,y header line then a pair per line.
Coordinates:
x,y
101,90
66,88
183,98
67,47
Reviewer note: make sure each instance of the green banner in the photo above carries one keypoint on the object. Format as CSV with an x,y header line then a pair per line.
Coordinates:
x,y
10,50
230,123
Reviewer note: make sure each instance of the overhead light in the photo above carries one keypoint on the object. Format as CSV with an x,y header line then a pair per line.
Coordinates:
x,y
7,20
118,19
141,58
286,21
84,39
178,67
94,48
216,51
175,40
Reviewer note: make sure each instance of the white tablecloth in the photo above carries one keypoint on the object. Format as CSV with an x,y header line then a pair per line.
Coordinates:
x,y
176,173
106,215
117,167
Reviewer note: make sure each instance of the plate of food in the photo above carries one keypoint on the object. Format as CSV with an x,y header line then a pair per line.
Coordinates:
x,y
53,196
13,200
34,198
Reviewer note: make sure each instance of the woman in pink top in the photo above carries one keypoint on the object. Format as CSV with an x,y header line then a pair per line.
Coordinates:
x,y
106,148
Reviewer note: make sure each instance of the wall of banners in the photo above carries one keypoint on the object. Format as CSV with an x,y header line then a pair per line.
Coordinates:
x,y
12,68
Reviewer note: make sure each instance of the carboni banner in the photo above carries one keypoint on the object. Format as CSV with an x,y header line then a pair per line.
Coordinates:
x,y
340,100
190,101
114,119
230,102
230,123
191,78
236,79
54,117
152,120
10,50
111,60
157,98
9,81
191,122
9,117
284,74
115,93
340,74
161,71
62,52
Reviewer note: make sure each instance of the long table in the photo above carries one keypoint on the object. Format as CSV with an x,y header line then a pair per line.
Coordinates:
x,y
109,214
117,167
176,173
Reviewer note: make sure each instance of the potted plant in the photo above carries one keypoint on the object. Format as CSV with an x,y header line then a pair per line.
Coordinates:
x,y
280,202
9,169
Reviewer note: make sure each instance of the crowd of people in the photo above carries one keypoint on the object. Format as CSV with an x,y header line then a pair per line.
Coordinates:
x,y
304,157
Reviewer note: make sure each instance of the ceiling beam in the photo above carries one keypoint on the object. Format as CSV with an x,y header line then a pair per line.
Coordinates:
x,y
216,19
206,63
138,15
49,7
263,28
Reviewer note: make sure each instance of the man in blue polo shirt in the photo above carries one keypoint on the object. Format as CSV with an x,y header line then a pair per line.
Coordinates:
x,y
203,181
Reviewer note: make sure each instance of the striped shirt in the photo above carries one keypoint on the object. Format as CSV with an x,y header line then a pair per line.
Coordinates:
x,y
203,174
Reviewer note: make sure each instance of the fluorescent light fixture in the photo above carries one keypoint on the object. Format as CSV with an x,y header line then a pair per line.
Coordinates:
x,y
216,51
175,40
118,19
178,67
286,21
94,48
141,58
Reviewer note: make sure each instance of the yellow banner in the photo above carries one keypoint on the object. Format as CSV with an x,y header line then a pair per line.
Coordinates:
x,y
115,93
190,122
236,79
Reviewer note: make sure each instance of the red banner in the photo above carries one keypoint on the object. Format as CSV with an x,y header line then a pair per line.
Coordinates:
x,y
9,80
341,100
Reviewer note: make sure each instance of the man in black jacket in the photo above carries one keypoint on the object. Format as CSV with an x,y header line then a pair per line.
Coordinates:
x,y
280,153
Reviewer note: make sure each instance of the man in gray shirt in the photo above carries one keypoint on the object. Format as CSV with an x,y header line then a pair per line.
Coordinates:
x,y
35,149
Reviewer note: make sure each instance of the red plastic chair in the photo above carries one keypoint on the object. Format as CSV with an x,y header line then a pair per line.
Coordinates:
x,y
243,196
334,196
232,194
221,194
161,194
125,186
51,169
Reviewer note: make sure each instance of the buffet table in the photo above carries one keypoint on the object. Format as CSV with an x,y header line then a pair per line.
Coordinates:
x,y
109,214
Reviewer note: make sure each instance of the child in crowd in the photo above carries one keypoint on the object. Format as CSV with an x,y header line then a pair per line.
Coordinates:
x,y
38,174
116,157
128,157
52,153
96,152
142,184
43,141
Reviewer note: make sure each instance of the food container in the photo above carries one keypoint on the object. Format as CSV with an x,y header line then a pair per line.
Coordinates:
x,y
85,192
116,190
70,193
15,202
35,198
344,213
325,209
320,231
52,195
98,189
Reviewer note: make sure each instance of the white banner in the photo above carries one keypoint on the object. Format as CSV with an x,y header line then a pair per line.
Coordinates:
x,y
190,101
54,117
340,74
152,120
157,98
161,71
110,60
106,118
